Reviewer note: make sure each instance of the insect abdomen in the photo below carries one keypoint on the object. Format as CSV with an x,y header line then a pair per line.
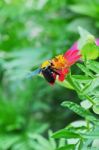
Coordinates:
x,y
48,74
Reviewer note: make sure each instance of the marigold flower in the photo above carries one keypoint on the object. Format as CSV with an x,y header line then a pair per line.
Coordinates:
x,y
66,61
58,66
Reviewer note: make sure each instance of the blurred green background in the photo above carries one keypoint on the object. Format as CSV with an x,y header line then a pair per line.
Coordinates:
x,y
32,31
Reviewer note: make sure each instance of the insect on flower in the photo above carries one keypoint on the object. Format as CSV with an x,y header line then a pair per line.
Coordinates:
x,y
57,67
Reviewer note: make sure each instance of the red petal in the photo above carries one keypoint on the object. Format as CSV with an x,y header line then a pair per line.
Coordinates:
x,y
65,71
68,53
72,56
97,42
71,53
74,46
72,60
61,77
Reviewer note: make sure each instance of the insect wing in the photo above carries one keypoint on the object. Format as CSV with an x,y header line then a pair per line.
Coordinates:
x,y
33,73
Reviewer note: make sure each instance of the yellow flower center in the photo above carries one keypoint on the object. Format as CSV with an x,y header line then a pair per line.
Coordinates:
x,y
59,62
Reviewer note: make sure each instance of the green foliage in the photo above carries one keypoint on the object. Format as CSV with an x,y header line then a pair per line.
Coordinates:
x,y
31,32
86,86
65,134
80,111
87,45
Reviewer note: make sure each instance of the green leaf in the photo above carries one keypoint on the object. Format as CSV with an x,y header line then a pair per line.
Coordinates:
x,y
90,51
67,147
41,141
91,87
84,9
96,109
90,148
80,111
65,84
87,45
86,104
82,78
73,83
81,21
85,70
95,143
93,65
64,133
6,141
86,87
51,140
62,142
91,135
85,38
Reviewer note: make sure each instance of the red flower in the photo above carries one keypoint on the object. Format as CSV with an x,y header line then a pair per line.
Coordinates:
x,y
66,61
58,66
